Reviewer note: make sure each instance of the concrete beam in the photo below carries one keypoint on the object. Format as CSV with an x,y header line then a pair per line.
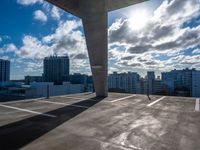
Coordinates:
x,y
94,17
71,6
117,4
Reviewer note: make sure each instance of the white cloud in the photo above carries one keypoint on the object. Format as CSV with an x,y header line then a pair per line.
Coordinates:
x,y
164,33
29,2
34,49
163,36
64,29
39,15
11,48
33,67
66,40
1,39
56,13
196,51
69,40
8,48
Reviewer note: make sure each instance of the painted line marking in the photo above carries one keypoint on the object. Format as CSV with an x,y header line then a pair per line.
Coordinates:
x,y
197,104
65,104
26,100
58,103
156,101
41,98
29,111
81,99
120,99
73,97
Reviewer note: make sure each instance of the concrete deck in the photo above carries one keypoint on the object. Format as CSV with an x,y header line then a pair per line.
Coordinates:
x,y
118,122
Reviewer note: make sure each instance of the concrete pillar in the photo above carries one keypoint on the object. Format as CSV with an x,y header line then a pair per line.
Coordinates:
x,y
94,18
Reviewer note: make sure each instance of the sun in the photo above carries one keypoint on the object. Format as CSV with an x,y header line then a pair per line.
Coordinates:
x,y
138,20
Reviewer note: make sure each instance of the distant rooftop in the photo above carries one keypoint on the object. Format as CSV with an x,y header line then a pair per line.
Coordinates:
x,y
118,122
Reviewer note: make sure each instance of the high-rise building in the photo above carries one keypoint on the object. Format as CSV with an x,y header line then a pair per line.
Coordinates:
x,y
159,88
4,70
196,83
56,69
141,86
179,81
126,82
150,82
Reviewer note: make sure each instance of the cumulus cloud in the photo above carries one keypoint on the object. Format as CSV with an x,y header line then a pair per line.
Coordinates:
x,y
56,13
34,49
39,15
160,45
11,47
33,67
29,2
196,51
67,39
139,49
80,56
163,33
8,48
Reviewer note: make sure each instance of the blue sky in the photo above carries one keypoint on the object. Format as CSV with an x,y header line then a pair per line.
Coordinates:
x,y
157,35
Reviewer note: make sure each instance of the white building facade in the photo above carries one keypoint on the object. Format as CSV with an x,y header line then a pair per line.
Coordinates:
x,y
124,81
41,89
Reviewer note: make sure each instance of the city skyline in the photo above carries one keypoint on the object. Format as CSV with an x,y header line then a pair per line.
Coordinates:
x,y
184,82
144,76
160,45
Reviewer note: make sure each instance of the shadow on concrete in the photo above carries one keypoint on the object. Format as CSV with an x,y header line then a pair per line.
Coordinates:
x,y
6,97
20,133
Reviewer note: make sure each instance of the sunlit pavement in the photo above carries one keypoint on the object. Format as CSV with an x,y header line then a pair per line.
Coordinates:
x,y
118,122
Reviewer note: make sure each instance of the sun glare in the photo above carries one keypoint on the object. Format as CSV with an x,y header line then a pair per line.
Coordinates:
x,y
138,20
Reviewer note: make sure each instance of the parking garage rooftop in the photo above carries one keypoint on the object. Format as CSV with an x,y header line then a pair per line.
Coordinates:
x,y
84,122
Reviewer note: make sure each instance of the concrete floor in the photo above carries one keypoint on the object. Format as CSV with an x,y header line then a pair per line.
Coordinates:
x,y
118,122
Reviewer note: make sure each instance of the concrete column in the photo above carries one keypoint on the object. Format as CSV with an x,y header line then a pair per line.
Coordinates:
x,y
94,18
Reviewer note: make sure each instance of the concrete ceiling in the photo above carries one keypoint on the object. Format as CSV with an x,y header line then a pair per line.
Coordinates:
x,y
72,6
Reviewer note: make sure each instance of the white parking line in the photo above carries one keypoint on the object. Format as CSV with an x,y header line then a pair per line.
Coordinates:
x,y
197,104
79,94
65,104
26,100
29,111
81,99
73,97
156,101
120,99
